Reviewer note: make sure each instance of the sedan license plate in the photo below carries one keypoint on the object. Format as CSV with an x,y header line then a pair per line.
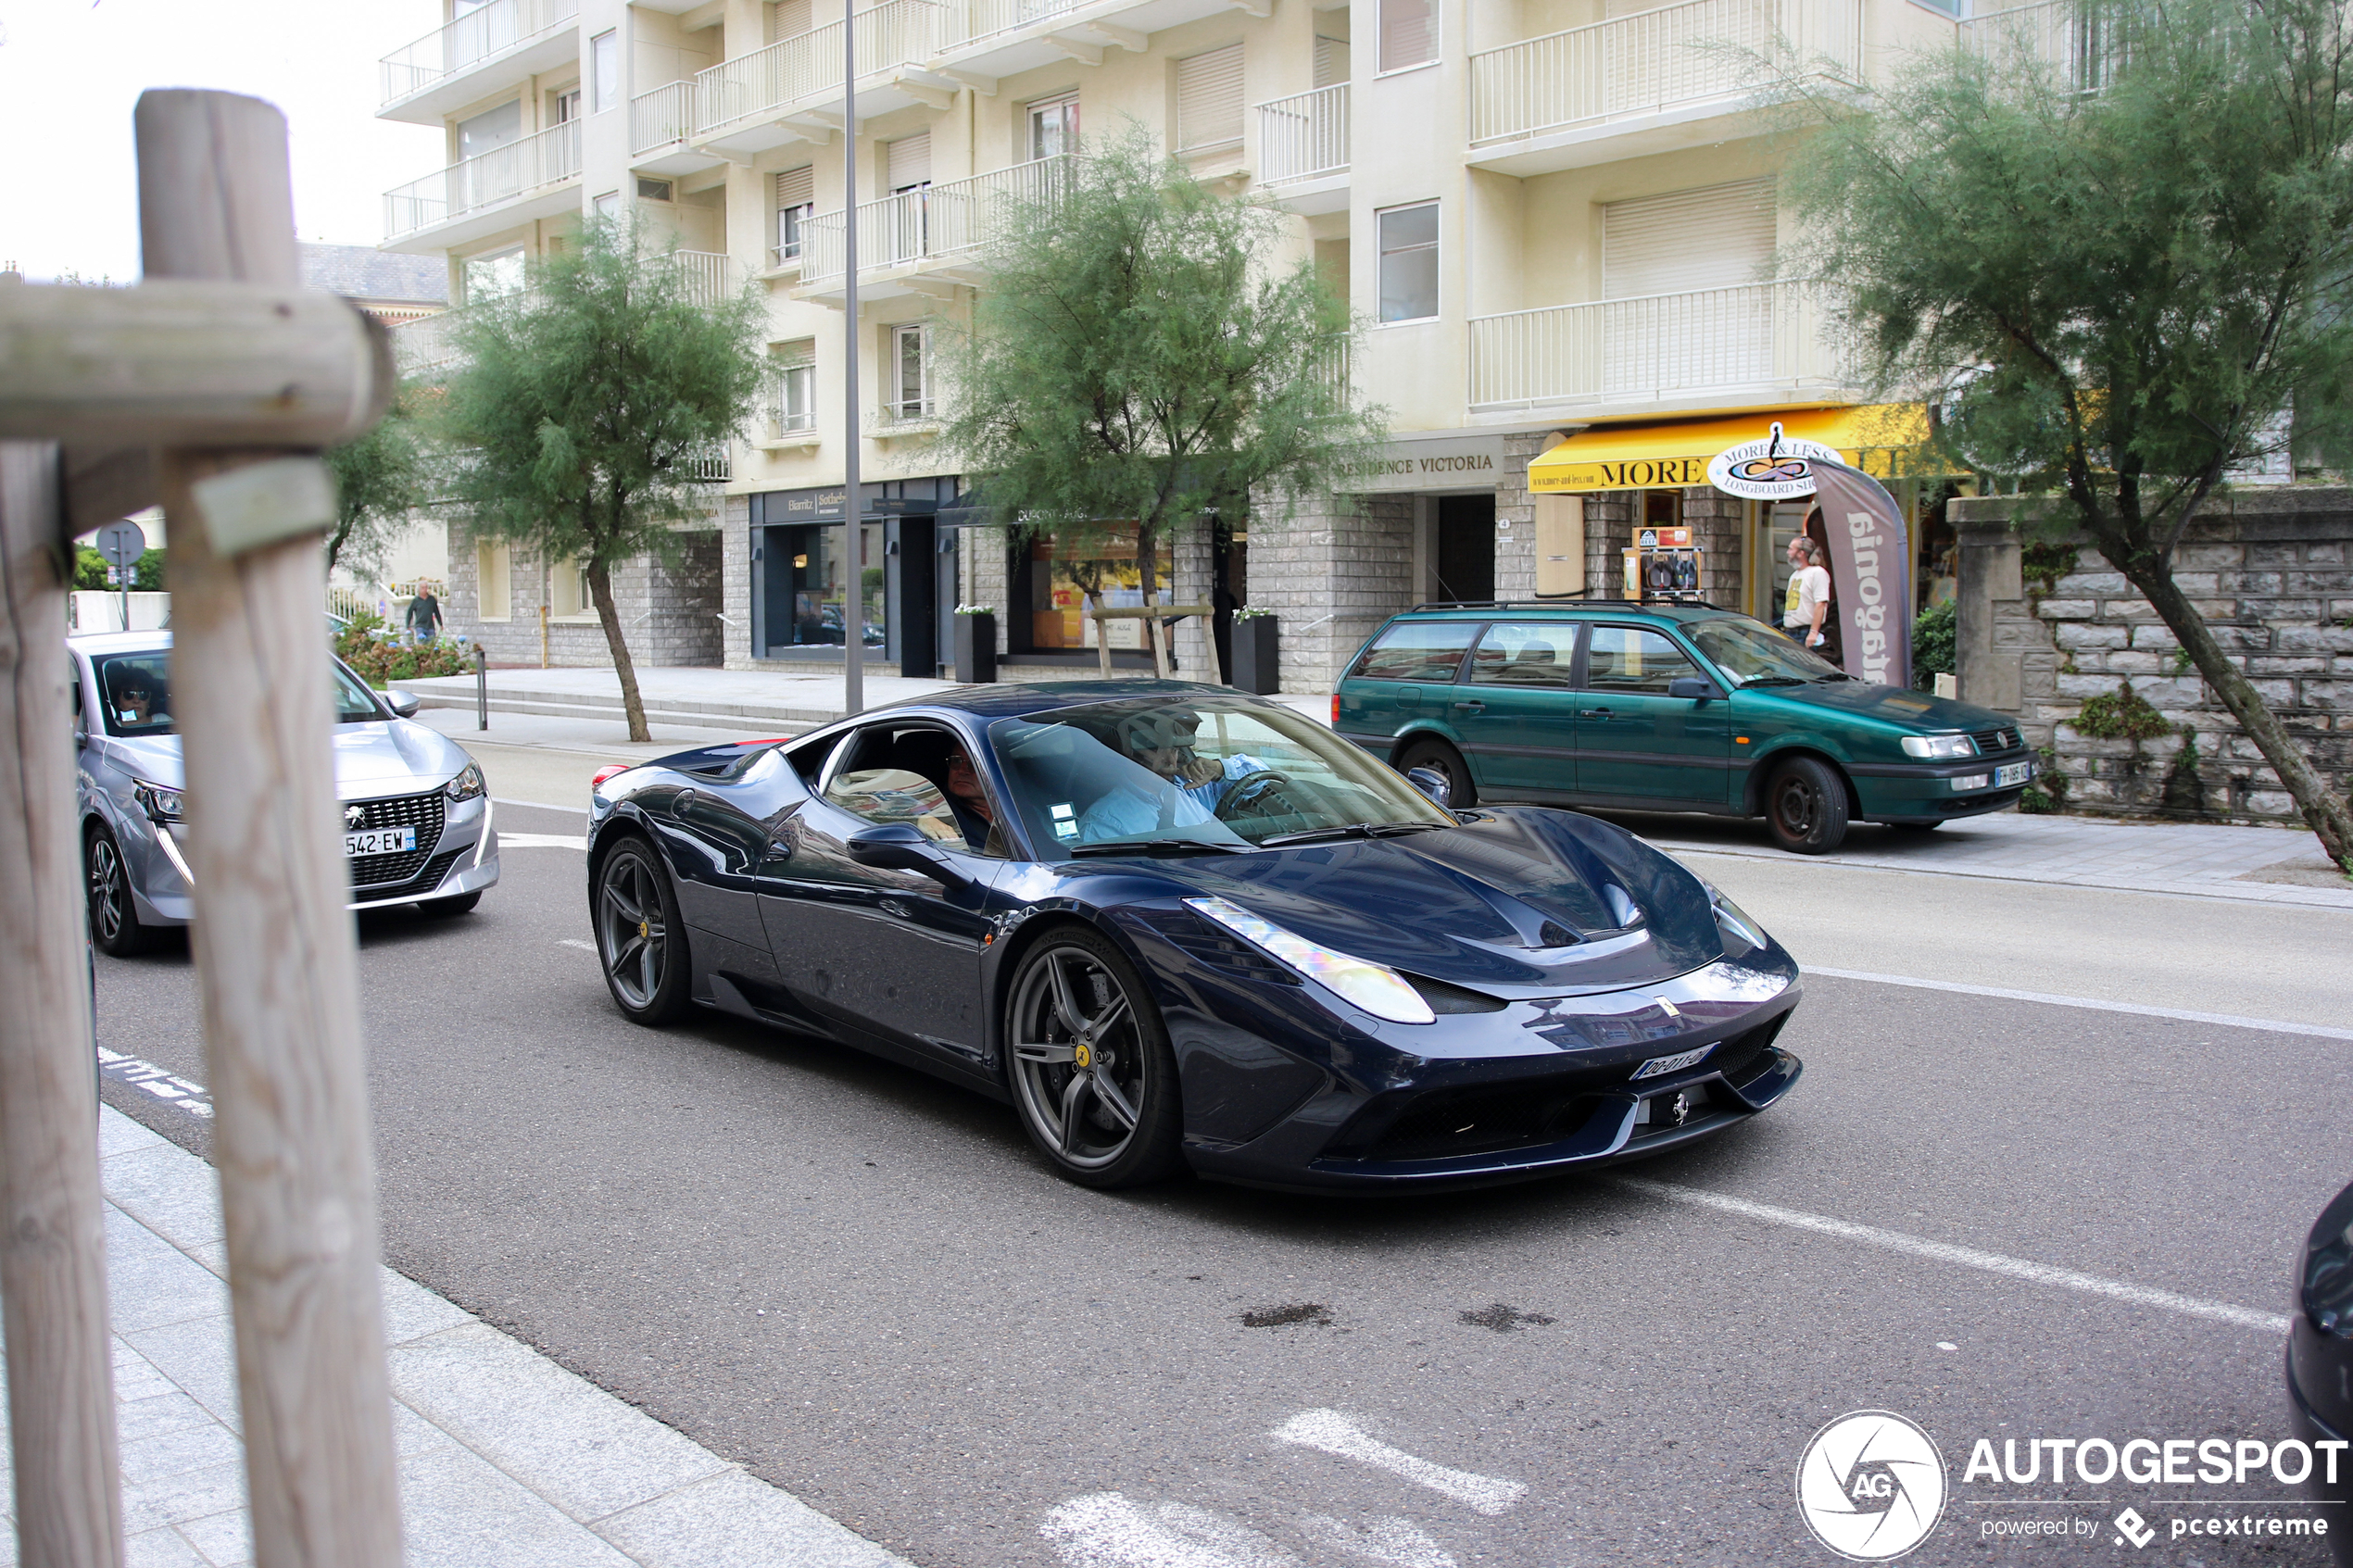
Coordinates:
x,y
379,841
2014,773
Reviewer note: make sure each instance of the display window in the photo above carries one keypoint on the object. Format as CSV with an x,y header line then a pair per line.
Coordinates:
x,y
1105,559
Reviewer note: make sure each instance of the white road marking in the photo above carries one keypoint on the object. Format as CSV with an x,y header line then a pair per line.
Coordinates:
x,y
1968,1256
542,806
2227,1020
1335,1434
541,841
577,942
185,1093
1106,1530
1387,1539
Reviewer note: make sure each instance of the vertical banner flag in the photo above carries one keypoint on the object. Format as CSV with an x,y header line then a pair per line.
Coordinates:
x,y
1870,571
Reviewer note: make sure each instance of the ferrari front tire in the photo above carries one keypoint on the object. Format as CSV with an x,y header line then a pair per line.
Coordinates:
x,y
1093,1074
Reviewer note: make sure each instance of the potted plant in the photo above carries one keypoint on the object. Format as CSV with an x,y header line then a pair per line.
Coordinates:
x,y
1257,656
975,644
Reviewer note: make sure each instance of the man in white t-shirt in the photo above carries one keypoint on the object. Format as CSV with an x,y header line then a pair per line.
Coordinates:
x,y
1810,593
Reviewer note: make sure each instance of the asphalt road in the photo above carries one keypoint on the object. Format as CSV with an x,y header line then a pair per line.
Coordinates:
x,y
861,1285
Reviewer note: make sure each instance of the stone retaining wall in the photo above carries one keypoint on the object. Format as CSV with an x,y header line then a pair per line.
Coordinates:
x,y
2272,570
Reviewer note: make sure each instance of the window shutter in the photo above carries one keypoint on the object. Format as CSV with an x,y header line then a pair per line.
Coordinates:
x,y
1332,61
908,161
1209,99
1408,33
1718,238
786,20
793,187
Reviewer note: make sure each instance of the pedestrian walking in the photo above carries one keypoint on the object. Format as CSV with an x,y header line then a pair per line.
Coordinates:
x,y
1810,593
424,614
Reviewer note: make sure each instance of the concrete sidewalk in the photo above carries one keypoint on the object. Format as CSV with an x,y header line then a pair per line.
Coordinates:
x,y
507,1461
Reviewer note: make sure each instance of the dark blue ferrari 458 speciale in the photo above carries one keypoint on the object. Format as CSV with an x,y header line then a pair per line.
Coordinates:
x,y
1179,927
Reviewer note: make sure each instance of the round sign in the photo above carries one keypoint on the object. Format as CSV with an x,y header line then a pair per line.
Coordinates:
x,y
1776,469
1870,1486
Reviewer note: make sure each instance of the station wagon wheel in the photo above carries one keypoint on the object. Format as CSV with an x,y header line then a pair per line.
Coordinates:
x,y
1806,806
115,926
1090,1064
641,943
1436,755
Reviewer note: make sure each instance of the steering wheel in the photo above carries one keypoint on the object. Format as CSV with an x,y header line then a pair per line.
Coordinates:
x,y
1257,795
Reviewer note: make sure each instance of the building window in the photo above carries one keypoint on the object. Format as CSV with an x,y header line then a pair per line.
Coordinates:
x,y
1058,573
568,107
795,207
653,190
909,372
792,388
1209,100
1053,127
609,205
1408,33
567,596
604,57
1332,61
805,577
492,276
493,128
1408,262
493,582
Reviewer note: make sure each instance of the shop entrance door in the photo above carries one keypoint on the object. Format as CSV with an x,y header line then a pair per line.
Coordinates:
x,y
1465,554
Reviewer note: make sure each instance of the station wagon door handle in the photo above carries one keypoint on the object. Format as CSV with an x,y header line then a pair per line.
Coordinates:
x,y
1592,713
1473,706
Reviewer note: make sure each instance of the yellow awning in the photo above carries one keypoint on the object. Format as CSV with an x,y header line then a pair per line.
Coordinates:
x,y
1672,455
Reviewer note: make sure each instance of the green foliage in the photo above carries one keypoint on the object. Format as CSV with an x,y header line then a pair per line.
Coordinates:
x,y
1136,357
1934,651
380,479
90,571
2122,714
2047,795
2042,561
381,658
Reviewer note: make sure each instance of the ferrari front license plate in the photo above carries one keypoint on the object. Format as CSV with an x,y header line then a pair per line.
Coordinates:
x,y
2016,774
379,841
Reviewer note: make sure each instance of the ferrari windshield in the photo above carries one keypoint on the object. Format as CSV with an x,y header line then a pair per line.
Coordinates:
x,y
1214,772
1750,653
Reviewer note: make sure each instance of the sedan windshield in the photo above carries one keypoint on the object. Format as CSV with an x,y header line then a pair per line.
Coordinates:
x,y
136,691
1218,773
1750,653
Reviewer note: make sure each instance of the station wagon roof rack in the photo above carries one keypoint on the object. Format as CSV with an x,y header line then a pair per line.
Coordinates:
x,y
1565,601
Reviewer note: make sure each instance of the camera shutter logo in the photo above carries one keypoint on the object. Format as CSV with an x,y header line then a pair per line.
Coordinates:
x,y
1870,1486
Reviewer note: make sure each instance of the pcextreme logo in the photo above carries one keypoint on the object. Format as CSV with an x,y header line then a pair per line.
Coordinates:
x,y
1870,1486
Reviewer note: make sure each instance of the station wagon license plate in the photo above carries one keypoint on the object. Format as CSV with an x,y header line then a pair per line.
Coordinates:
x,y
379,841
2014,773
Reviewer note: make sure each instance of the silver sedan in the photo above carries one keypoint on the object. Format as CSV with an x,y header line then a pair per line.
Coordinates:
x,y
416,815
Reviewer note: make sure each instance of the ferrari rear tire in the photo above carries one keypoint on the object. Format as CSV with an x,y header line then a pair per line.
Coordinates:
x,y
1806,805
1093,1074
115,926
641,943
1461,793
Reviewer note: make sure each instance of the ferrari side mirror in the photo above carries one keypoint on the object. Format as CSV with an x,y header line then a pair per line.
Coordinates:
x,y
1430,781
899,846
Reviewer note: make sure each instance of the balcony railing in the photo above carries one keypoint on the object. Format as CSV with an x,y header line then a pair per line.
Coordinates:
x,y
977,20
426,344
894,33
480,34
716,466
708,276
1657,349
1303,136
936,223
1655,61
661,116
2082,44
485,179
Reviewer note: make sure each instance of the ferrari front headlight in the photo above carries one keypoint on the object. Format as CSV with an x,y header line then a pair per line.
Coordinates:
x,y
1732,917
1381,992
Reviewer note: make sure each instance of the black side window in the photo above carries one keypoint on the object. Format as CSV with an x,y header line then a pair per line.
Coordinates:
x,y
808,760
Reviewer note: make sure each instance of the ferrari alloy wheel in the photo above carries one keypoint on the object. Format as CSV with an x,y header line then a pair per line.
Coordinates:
x,y
114,913
1806,804
1461,793
640,940
1091,1066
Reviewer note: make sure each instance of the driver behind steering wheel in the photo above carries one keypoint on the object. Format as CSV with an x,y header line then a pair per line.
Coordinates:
x,y
1161,739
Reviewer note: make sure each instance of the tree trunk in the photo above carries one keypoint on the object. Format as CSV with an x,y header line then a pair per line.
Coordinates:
x,y
608,616
1147,564
1103,630
2329,817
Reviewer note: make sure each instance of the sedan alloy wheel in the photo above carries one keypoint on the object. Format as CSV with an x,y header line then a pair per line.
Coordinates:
x,y
114,915
1090,1064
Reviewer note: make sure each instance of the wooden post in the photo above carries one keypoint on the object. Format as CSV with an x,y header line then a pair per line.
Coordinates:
x,y
273,942
52,1255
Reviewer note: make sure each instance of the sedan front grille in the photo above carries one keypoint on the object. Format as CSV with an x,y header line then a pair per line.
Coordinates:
x,y
1992,741
424,812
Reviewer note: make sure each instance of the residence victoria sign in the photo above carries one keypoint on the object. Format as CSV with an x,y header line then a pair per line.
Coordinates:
x,y
1466,462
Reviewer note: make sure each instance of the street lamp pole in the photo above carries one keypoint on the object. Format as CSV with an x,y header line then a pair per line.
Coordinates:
x,y
853,619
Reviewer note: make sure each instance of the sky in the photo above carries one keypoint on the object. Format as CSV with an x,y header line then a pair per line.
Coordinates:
x,y
70,70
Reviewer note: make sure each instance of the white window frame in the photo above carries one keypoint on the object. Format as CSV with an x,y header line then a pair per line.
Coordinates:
x,y
899,410
1381,254
1066,104
604,71
577,605
793,378
485,552
468,265
1383,65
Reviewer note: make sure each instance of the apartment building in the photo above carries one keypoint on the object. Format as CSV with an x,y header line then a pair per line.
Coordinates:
x,y
1560,219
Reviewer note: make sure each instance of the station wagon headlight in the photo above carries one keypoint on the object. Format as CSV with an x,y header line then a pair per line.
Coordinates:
x,y
1934,747
161,802
1381,992
467,786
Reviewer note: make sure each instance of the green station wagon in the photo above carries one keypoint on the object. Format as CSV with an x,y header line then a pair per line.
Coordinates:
x,y
1667,708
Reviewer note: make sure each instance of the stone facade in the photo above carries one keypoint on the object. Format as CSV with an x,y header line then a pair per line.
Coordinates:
x,y
2271,571
669,613
1333,567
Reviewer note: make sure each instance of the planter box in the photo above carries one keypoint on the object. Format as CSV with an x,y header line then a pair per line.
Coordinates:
x,y
1257,661
975,649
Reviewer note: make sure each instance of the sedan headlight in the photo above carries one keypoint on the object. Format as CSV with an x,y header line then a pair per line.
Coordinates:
x,y
161,802
467,786
1381,992
1934,747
